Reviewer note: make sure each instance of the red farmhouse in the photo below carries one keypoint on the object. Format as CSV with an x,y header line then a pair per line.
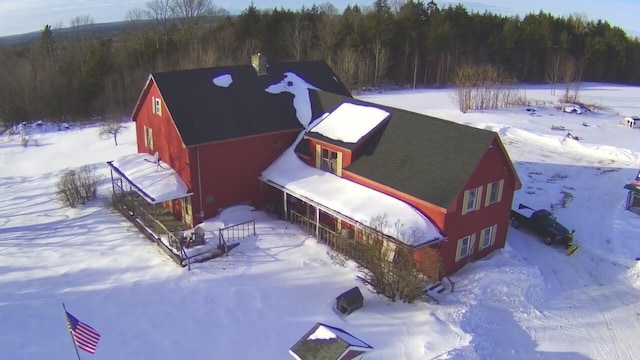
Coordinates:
x,y
220,130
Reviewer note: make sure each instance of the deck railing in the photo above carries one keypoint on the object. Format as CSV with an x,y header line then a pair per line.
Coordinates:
x,y
155,230
231,234
336,241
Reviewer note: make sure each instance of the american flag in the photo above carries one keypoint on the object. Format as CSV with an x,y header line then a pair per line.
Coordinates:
x,y
85,336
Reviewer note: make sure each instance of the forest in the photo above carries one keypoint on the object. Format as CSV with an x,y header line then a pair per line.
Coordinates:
x,y
80,73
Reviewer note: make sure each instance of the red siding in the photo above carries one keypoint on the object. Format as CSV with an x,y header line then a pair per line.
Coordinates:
x,y
229,170
493,166
166,140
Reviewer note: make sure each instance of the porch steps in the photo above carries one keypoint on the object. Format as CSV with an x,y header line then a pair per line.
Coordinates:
x,y
434,292
209,255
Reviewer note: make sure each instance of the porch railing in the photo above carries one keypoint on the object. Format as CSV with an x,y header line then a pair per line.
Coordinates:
x,y
232,234
150,226
343,244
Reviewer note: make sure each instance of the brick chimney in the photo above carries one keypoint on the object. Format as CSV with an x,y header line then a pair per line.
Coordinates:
x,y
259,62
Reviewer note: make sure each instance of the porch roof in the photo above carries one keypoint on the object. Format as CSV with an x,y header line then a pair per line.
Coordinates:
x,y
350,199
154,180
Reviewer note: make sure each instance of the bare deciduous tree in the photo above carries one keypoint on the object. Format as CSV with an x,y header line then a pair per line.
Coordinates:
x,y
381,59
112,129
553,70
81,34
386,266
347,67
483,87
299,35
568,74
328,32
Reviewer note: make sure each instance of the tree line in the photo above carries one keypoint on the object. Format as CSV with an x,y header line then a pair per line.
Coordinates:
x,y
77,73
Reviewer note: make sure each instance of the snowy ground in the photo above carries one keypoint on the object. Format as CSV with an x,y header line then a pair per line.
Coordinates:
x,y
528,301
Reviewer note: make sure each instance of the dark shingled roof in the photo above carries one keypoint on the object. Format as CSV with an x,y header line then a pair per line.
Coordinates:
x,y
325,349
204,112
420,155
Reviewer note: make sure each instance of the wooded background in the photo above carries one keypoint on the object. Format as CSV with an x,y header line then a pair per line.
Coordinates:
x,y
85,71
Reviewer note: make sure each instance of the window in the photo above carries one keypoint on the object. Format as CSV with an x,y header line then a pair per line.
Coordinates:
x,y
329,160
487,237
464,247
494,192
156,104
471,200
148,137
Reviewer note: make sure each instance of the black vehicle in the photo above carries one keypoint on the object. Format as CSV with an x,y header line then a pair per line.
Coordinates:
x,y
543,223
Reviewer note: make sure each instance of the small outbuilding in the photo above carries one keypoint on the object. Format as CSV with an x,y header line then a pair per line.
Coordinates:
x,y
632,121
350,301
324,342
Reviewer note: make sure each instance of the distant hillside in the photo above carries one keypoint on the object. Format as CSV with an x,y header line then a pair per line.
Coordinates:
x,y
98,31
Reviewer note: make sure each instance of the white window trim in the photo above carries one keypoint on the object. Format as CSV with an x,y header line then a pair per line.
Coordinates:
x,y
148,137
483,235
470,239
335,165
476,203
156,105
500,185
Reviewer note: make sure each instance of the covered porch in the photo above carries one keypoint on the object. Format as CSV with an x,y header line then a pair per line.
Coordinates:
x,y
152,195
353,238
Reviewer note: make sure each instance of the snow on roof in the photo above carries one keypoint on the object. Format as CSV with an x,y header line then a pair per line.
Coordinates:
x,y
223,80
350,122
322,333
157,182
326,332
294,84
350,199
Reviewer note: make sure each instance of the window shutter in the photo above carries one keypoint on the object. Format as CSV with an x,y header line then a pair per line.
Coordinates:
x,y
339,164
150,138
493,234
479,198
500,186
458,249
465,199
472,244
482,234
318,156
153,104
487,199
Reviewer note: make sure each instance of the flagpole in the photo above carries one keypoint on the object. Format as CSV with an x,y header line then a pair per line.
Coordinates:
x,y
72,340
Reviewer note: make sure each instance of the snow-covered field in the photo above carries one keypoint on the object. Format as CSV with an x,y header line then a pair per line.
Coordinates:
x,y
528,301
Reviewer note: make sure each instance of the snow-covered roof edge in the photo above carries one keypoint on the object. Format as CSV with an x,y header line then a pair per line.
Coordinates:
x,y
153,185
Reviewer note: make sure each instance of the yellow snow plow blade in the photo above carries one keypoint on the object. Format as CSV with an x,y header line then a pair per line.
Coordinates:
x,y
572,248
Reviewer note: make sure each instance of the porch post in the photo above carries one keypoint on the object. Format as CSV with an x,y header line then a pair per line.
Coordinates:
x,y
317,223
284,201
113,187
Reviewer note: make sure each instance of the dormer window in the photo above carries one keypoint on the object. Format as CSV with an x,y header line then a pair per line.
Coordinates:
x,y
156,104
329,160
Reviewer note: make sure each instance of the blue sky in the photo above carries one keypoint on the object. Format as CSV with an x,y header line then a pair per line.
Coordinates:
x,y
22,16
